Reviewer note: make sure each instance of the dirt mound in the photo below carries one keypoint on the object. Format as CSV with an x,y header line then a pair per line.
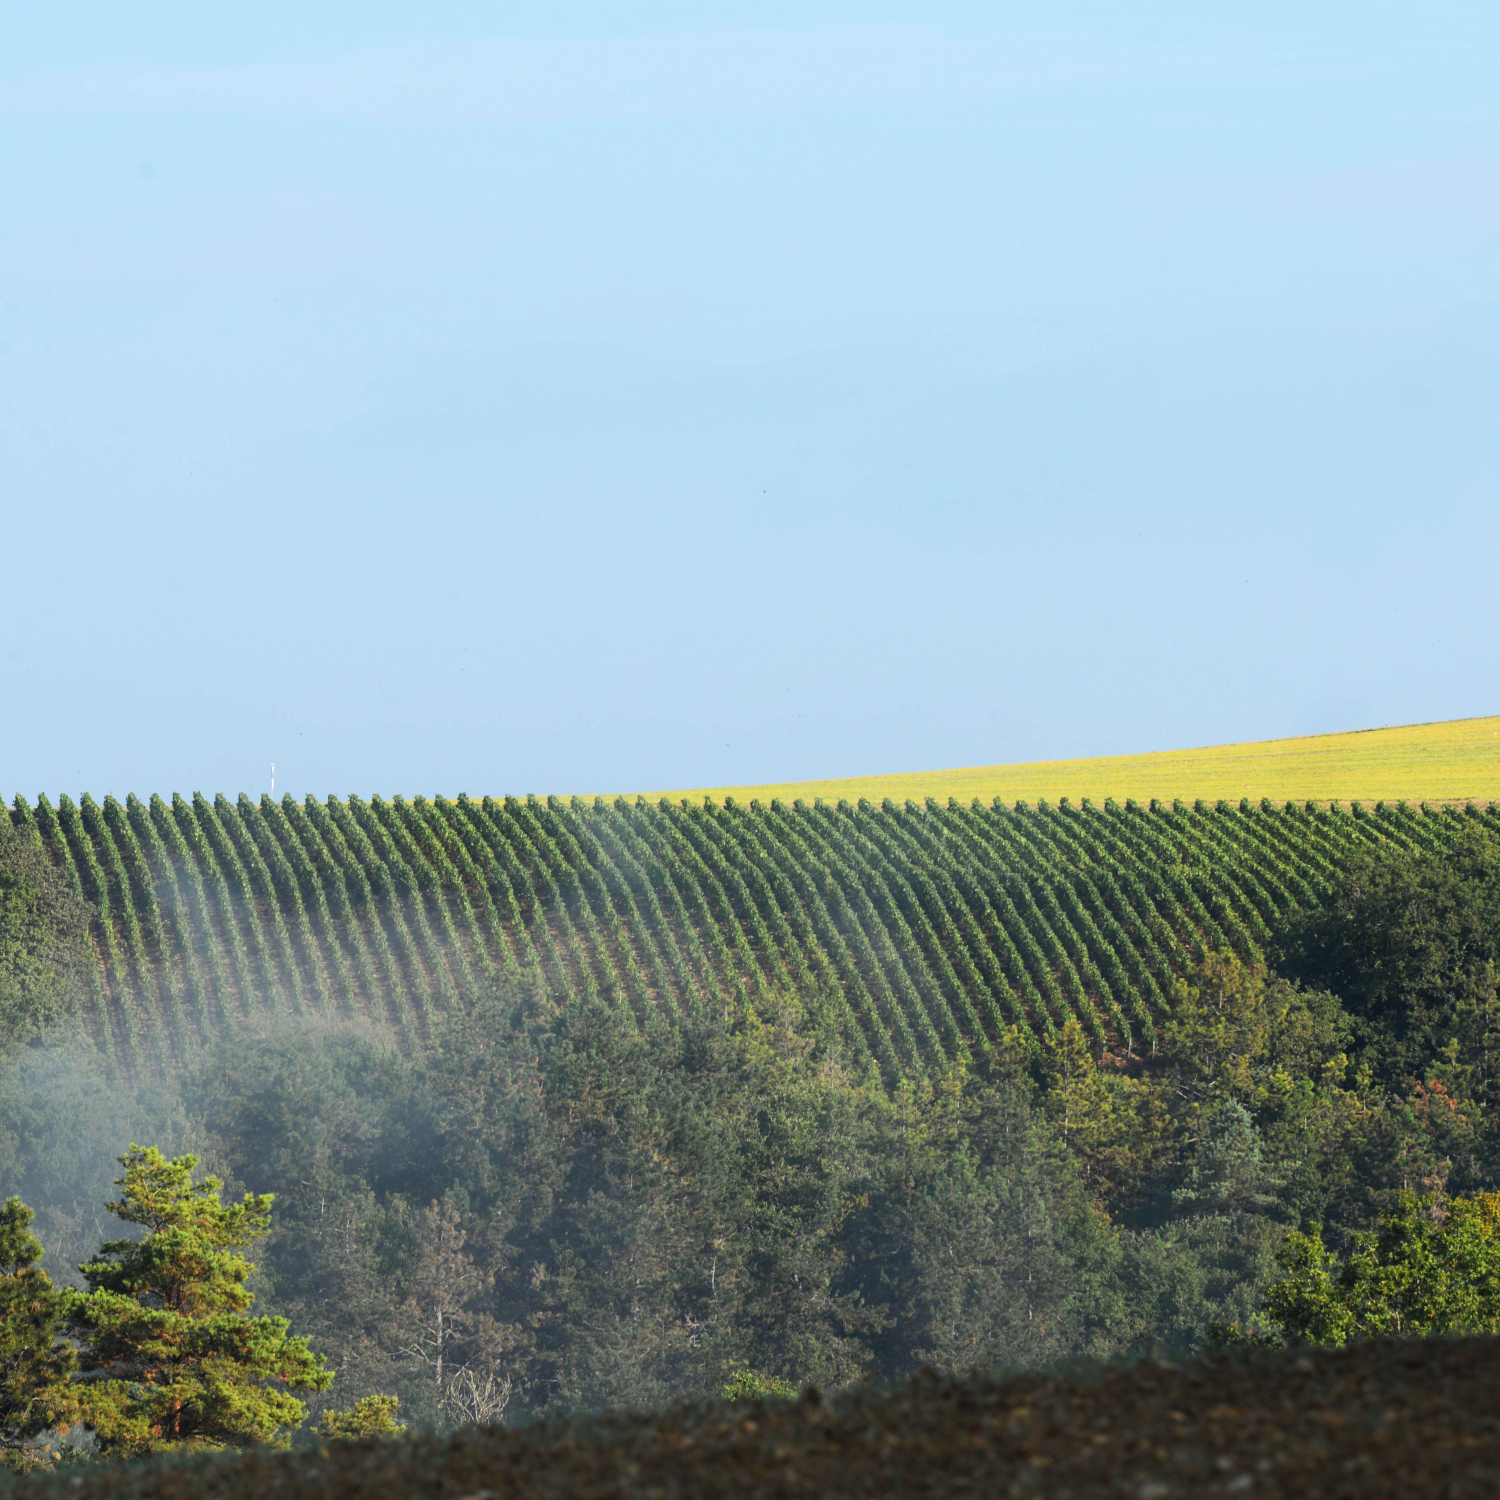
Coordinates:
x,y
1382,1419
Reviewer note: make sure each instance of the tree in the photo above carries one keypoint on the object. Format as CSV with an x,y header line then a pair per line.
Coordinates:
x,y
450,1335
747,1385
35,1362
1107,1119
169,1357
371,1416
479,1397
1433,1267
333,1119
1411,943
1228,1172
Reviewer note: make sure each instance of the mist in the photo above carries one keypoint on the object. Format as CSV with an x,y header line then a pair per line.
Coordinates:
x,y
64,1121
567,1213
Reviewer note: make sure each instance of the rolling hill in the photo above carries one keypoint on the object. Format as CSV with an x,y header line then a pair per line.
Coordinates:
x,y
928,928
1453,761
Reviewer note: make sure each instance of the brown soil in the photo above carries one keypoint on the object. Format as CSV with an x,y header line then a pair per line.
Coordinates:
x,y
1383,1419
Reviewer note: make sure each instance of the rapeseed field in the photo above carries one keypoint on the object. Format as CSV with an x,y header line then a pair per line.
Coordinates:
x,y
1453,761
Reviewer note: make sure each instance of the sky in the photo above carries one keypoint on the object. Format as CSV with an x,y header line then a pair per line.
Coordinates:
x,y
430,399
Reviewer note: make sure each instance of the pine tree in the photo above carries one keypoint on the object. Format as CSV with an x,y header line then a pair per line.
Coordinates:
x,y
371,1416
170,1358
35,1363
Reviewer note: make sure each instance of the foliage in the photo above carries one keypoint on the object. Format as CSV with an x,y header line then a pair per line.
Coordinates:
x,y
44,941
560,1208
1433,1267
63,1121
596,1106
36,1362
747,1385
168,1356
924,933
981,1241
1411,942
370,1416
572,1214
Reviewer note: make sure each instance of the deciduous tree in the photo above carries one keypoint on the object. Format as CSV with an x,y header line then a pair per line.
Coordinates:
x,y
1433,1267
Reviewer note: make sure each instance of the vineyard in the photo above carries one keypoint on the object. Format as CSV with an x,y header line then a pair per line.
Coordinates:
x,y
929,929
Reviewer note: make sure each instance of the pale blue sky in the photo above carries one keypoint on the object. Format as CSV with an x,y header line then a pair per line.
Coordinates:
x,y
430,399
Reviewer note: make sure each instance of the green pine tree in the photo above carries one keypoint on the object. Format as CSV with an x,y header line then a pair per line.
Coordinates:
x,y
169,1357
371,1416
35,1362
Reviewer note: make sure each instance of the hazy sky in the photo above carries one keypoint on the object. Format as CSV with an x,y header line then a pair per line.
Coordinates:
x,y
429,399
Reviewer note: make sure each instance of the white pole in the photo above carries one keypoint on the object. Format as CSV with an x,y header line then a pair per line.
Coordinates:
x,y
273,778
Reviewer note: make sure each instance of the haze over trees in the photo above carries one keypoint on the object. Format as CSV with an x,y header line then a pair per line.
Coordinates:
x,y
538,1203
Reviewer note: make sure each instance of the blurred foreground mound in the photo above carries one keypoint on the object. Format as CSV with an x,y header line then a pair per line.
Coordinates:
x,y
1390,1418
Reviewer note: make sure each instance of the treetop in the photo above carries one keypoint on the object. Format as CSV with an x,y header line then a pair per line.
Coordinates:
x,y
188,1261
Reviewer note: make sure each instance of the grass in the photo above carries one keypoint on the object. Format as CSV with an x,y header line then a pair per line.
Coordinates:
x,y
1377,1420
1454,761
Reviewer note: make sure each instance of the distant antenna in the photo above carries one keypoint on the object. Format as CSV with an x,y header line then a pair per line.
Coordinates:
x,y
273,778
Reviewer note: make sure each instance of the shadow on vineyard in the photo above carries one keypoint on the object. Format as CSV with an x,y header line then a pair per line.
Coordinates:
x,y
562,1185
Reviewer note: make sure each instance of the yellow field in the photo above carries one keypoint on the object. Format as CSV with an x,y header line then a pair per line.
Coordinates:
x,y
1448,762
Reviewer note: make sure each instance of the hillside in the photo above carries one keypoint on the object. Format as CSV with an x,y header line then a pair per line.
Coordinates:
x,y
927,929
1380,1419
1456,761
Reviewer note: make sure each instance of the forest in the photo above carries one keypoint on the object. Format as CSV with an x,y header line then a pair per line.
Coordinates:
x,y
531,1199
